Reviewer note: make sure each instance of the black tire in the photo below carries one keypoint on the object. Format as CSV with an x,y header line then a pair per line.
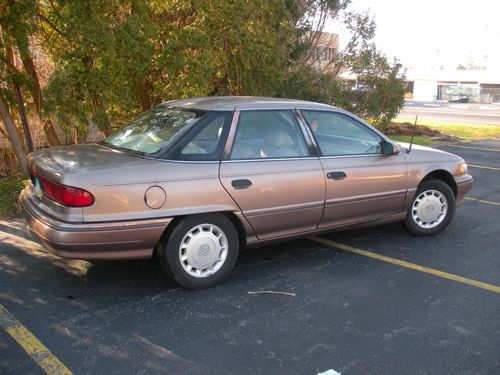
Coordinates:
x,y
443,188
169,251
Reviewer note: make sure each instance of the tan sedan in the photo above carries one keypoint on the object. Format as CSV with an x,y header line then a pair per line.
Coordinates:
x,y
196,180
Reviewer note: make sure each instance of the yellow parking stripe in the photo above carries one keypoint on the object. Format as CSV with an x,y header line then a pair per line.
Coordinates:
x,y
482,201
483,167
475,148
402,263
37,351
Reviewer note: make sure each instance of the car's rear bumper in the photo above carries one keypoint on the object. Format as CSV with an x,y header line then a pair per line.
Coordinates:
x,y
464,185
112,240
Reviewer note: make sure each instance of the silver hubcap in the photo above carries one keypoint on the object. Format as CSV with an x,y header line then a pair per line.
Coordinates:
x,y
203,250
429,209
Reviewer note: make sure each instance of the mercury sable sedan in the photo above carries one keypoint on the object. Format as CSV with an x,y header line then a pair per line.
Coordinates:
x,y
194,181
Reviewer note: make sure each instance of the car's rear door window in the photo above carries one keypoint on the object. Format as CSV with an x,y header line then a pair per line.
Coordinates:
x,y
338,134
268,134
205,141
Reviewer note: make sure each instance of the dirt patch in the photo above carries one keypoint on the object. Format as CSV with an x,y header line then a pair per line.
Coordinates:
x,y
406,128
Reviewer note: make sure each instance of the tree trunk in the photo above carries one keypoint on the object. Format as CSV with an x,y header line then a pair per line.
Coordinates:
x,y
142,87
14,138
105,125
36,91
22,115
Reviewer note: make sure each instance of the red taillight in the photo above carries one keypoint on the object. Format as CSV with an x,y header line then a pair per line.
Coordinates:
x,y
66,195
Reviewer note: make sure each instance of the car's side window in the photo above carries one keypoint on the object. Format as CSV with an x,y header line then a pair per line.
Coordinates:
x,y
338,134
206,140
268,134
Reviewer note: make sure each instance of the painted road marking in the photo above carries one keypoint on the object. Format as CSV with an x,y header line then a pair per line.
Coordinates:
x,y
483,167
37,351
412,266
475,148
482,201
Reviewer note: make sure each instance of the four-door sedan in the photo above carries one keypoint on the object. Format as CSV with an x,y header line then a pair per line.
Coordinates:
x,y
196,180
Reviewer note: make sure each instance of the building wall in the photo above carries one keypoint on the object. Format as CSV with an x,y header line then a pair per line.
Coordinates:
x,y
474,86
324,52
424,90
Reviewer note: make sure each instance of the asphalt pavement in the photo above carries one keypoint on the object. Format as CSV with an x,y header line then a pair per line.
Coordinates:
x,y
473,113
351,312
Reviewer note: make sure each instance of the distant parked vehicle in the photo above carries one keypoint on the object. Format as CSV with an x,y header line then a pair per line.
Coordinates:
x,y
464,99
196,180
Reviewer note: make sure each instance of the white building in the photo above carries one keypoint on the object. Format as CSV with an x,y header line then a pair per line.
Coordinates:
x,y
471,86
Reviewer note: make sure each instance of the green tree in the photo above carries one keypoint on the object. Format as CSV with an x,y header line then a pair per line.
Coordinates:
x,y
117,58
18,23
379,91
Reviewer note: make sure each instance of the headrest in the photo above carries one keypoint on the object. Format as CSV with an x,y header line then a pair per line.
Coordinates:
x,y
278,138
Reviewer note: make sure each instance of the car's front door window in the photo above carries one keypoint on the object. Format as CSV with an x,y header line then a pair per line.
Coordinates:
x,y
268,135
338,134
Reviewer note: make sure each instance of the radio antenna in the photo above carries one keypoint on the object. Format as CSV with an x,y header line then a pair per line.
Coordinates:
x,y
413,135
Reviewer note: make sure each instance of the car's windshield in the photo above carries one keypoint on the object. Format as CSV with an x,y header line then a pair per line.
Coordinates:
x,y
155,129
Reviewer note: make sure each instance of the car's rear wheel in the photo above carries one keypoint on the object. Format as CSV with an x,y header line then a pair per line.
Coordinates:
x,y
432,208
200,251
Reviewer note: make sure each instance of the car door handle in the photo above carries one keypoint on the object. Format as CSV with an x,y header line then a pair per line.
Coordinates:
x,y
336,175
241,184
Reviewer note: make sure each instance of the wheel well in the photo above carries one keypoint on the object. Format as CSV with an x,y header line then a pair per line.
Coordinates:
x,y
444,176
240,229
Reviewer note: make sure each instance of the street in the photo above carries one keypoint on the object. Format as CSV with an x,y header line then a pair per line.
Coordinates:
x,y
487,114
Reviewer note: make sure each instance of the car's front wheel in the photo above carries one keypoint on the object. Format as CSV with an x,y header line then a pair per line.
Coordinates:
x,y
200,251
432,208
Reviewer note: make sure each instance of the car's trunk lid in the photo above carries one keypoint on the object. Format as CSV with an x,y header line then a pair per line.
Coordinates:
x,y
60,164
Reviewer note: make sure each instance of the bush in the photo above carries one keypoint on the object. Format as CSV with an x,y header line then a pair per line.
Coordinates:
x,y
9,192
376,94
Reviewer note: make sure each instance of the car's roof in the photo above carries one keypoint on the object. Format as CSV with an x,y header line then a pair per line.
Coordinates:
x,y
221,103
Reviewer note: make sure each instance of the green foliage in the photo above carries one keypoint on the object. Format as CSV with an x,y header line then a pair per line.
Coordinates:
x,y
9,191
121,50
377,93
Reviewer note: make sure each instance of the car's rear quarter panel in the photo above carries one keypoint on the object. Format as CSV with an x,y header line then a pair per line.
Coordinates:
x,y
190,188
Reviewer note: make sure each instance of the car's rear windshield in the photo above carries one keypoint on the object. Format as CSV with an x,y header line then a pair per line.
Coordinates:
x,y
154,130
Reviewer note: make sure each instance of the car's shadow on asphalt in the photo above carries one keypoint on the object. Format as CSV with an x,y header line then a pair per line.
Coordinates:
x,y
274,266
253,263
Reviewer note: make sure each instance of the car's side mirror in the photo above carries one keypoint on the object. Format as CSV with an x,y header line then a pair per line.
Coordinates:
x,y
389,148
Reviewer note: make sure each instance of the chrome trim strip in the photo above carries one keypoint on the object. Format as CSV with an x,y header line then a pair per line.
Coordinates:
x,y
360,198
270,159
190,161
283,209
352,156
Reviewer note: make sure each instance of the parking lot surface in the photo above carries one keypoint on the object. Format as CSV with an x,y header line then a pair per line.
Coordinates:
x,y
351,312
